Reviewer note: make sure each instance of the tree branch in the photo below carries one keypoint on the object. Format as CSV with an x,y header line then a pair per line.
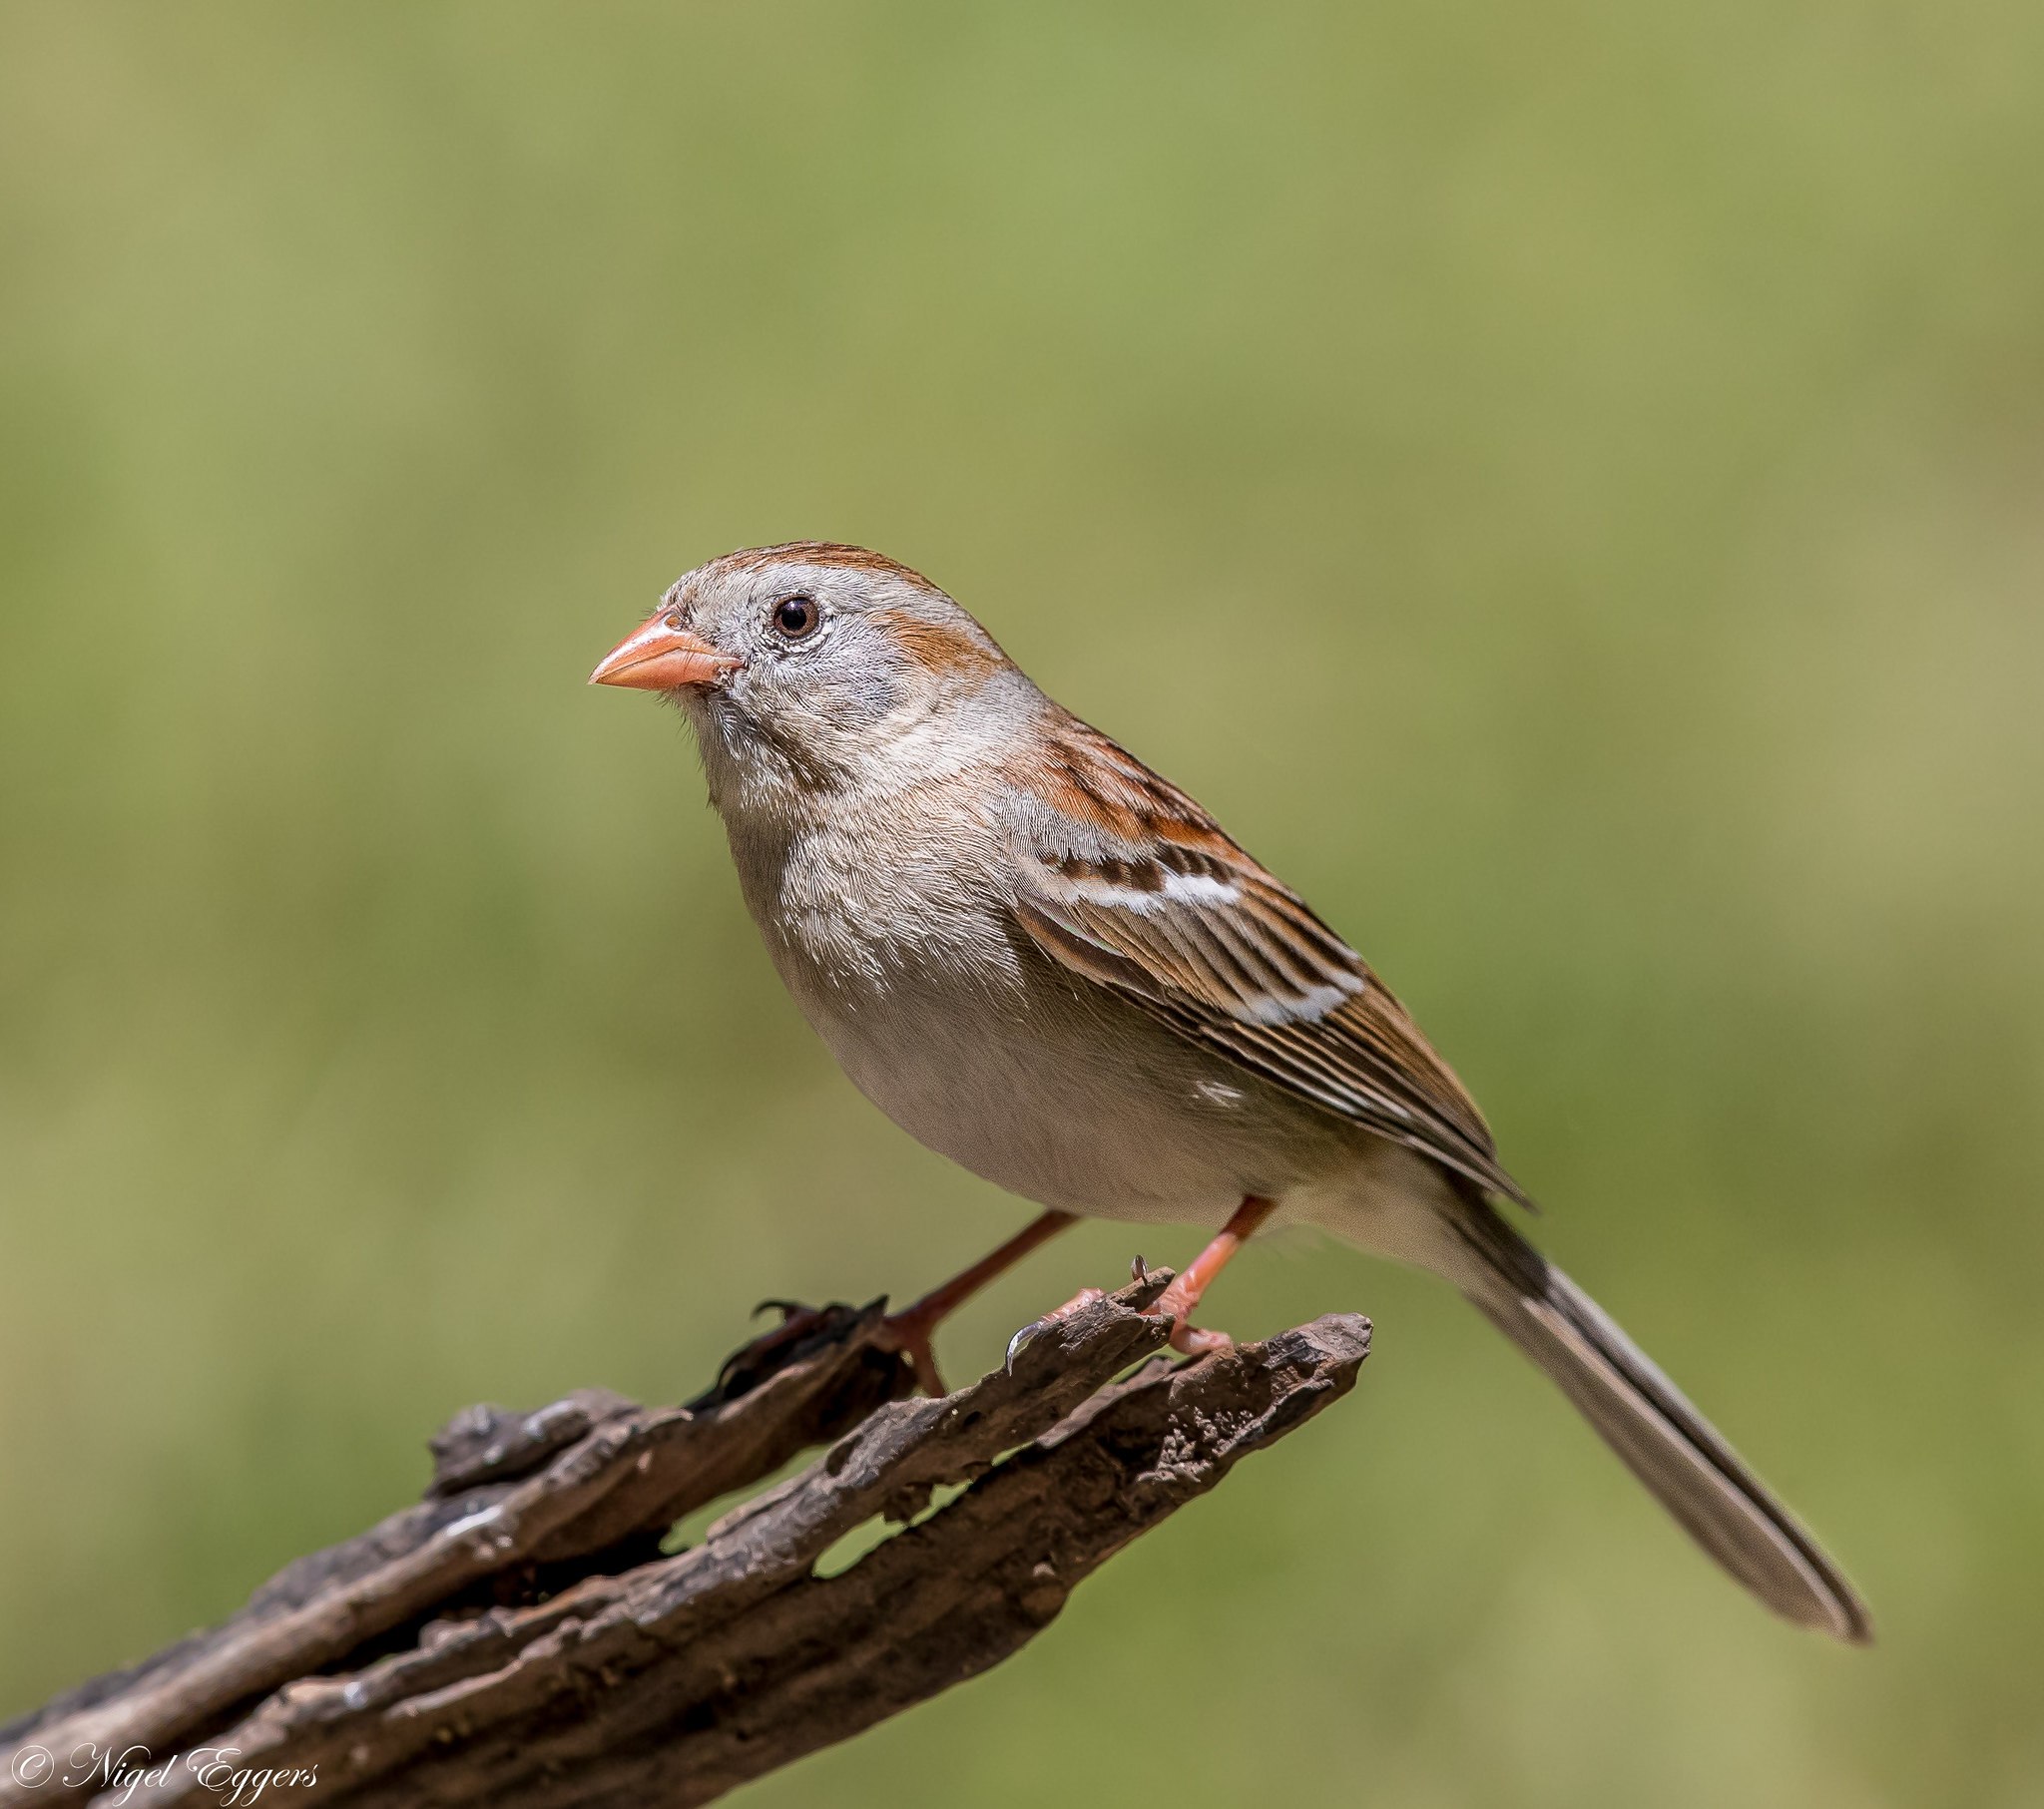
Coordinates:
x,y
519,1638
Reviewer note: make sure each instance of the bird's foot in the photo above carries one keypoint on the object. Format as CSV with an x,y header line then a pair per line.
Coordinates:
x,y
910,1333
1082,1298
803,1331
1194,1341
1176,1303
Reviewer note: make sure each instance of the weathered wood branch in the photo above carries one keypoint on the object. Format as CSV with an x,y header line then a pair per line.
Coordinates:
x,y
519,1638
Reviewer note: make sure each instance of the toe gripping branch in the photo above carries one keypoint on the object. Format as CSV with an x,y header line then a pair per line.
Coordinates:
x,y
527,1635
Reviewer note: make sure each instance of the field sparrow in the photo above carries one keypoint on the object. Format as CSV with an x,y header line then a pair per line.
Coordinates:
x,y
1051,965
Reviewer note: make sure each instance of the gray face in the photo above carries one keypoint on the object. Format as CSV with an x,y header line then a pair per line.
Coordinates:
x,y
846,659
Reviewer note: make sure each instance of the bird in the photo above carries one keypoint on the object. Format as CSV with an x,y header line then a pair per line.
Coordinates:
x,y
1048,963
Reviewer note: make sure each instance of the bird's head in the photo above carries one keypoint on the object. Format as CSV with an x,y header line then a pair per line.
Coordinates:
x,y
811,666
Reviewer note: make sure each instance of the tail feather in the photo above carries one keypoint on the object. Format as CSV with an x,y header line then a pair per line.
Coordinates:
x,y
1657,1434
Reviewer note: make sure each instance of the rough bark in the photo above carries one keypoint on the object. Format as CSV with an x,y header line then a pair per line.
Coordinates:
x,y
520,1639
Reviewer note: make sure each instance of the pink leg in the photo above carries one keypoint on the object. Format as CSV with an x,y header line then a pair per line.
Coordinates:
x,y
1177,1300
909,1330
1183,1291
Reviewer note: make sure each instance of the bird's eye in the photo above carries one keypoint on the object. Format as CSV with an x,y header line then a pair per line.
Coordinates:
x,y
795,618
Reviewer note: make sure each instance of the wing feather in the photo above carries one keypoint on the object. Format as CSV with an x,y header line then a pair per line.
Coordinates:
x,y
1121,877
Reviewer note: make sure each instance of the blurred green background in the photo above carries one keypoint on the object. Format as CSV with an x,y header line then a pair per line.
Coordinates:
x,y
1562,483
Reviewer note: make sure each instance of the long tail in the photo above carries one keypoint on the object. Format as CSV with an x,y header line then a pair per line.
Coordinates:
x,y
1658,1435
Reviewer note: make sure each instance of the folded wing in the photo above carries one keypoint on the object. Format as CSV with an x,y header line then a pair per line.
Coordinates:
x,y
1125,880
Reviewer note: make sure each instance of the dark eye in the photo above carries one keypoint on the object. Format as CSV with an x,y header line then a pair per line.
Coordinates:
x,y
795,618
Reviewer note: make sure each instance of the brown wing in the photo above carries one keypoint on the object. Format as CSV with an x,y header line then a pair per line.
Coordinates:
x,y
1125,879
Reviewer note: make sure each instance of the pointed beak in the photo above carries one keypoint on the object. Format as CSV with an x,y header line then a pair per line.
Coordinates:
x,y
662,657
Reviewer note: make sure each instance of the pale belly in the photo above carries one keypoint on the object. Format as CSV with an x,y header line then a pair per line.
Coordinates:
x,y
1085,1105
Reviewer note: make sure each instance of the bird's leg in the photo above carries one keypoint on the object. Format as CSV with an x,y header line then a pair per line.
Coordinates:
x,y
1177,1300
1182,1293
909,1330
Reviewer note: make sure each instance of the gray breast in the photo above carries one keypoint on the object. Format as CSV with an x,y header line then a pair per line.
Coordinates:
x,y
892,929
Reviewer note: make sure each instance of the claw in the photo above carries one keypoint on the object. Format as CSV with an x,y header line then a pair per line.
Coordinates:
x,y
1139,1270
1082,1298
1021,1339
787,1309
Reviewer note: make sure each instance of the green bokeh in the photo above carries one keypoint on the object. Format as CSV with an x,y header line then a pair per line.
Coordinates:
x,y
1561,482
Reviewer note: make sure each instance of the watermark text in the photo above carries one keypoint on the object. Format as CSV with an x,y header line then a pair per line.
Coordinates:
x,y
117,1775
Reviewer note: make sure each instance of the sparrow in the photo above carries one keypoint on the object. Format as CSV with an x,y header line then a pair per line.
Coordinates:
x,y
1051,965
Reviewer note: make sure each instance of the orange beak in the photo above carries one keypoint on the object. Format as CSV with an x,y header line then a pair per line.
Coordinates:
x,y
662,657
